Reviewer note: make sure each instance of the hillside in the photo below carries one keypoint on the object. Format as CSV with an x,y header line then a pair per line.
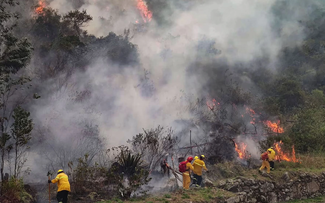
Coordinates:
x,y
109,91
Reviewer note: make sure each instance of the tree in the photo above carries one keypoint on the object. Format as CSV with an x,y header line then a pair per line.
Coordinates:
x,y
153,145
9,87
76,19
21,134
14,55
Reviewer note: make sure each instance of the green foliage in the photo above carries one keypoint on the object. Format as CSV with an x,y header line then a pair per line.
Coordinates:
x,y
309,130
117,49
76,19
85,173
129,172
14,54
13,191
285,95
22,126
21,133
185,196
46,27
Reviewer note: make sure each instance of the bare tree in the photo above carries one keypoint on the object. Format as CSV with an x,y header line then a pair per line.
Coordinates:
x,y
154,144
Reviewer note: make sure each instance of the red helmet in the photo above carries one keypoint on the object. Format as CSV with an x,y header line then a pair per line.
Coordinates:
x,y
189,159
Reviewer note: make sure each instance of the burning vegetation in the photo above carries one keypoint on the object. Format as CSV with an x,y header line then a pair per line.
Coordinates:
x,y
274,127
40,7
282,156
241,148
144,11
242,151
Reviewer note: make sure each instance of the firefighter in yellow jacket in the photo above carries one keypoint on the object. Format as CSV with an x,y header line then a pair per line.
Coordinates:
x,y
265,158
63,186
187,173
271,158
198,165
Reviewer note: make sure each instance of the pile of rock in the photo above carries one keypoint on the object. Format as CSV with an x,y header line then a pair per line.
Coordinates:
x,y
302,186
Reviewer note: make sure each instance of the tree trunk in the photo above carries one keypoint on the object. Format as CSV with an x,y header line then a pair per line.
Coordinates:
x,y
16,159
2,162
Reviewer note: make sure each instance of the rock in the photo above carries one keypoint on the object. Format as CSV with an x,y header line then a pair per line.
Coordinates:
x,y
92,196
233,199
304,185
266,187
312,187
208,183
272,198
222,183
286,176
246,188
233,188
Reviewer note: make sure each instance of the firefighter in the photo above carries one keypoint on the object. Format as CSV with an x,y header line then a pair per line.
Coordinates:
x,y
63,186
165,167
271,158
265,158
187,173
198,165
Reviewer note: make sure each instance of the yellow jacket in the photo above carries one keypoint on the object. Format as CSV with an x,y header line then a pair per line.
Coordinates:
x,y
272,155
198,164
63,182
189,167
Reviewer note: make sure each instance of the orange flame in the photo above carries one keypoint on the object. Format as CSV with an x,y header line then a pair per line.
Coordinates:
x,y
241,151
284,156
145,13
274,126
212,104
40,9
252,113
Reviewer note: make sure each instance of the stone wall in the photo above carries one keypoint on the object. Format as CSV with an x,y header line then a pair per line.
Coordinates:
x,y
290,186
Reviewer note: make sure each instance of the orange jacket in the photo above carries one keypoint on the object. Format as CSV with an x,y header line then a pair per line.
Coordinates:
x,y
63,182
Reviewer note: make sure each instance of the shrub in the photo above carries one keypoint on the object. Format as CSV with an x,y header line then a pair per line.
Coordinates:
x,y
13,191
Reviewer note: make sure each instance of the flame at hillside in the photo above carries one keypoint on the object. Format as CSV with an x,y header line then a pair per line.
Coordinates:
x,y
211,105
251,113
40,8
282,156
274,126
144,11
241,150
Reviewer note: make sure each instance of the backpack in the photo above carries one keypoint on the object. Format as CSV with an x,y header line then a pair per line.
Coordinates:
x,y
264,156
182,166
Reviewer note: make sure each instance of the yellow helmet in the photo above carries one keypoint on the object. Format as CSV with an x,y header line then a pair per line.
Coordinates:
x,y
60,171
196,157
202,156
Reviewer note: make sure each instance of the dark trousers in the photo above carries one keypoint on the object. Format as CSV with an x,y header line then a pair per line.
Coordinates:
x,y
271,164
197,179
62,196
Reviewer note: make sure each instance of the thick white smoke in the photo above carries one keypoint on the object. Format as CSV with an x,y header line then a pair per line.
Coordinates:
x,y
242,30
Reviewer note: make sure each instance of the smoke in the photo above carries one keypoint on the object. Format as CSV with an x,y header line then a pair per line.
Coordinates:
x,y
120,101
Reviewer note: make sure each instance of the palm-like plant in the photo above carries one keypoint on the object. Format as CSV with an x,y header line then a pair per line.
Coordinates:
x,y
129,172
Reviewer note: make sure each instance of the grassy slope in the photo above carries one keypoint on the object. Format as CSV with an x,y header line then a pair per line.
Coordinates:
x,y
195,195
219,172
313,200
